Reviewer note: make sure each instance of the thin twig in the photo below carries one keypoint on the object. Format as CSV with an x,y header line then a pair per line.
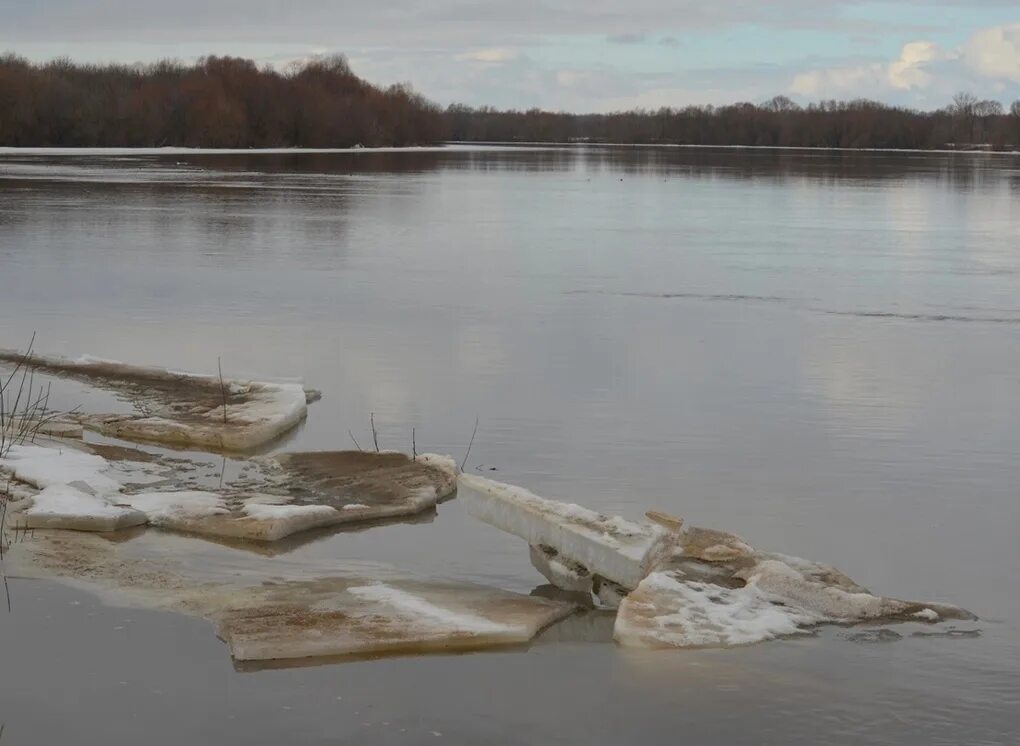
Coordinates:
x,y
223,390
375,435
355,441
470,443
414,446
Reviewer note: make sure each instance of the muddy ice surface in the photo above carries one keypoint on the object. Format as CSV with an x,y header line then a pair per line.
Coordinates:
x,y
182,409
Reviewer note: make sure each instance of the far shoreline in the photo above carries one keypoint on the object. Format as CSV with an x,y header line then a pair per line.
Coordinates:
x,y
462,146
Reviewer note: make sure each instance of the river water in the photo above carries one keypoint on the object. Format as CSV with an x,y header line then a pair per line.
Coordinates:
x,y
818,351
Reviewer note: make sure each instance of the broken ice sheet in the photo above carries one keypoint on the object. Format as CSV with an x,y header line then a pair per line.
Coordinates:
x,y
296,492
340,617
682,586
318,610
183,409
608,546
280,496
762,599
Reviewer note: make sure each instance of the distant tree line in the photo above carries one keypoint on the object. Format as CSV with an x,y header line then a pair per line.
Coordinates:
x,y
966,123
218,102
228,102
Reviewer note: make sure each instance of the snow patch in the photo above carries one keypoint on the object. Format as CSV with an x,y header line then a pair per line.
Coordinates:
x,y
46,467
64,506
163,508
425,612
665,612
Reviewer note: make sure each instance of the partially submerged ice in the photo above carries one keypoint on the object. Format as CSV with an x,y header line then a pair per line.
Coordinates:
x,y
295,492
357,609
183,409
357,618
682,586
609,546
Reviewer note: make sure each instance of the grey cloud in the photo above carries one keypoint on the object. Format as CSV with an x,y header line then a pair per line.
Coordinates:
x,y
419,22
632,37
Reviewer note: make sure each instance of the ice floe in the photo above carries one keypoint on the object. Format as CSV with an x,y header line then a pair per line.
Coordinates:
x,y
282,495
183,409
609,546
678,585
345,618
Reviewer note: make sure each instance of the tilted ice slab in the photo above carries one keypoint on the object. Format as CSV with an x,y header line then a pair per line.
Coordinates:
x,y
359,617
611,547
563,573
184,409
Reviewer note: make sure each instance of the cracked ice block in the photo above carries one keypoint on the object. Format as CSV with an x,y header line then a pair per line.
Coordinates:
x,y
610,546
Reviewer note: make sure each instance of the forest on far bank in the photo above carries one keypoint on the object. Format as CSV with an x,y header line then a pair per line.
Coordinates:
x,y
219,102
227,102
965,123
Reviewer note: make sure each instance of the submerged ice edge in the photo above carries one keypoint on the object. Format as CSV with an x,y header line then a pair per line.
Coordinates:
x,y
683,586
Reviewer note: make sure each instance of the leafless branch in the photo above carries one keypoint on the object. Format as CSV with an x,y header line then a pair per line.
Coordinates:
x,y
470,443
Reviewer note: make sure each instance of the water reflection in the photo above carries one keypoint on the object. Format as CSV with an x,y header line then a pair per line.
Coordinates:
x,y
771,343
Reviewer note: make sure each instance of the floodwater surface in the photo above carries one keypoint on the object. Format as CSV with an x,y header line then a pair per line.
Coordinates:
x,y
817,351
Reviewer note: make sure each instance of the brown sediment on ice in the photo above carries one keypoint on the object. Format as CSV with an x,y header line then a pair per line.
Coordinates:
x,y
297,492
183,409
111,487
122,453
341,617
352,614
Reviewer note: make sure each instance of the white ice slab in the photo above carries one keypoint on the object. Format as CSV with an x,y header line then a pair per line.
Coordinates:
x,y
612,547
187,409
370,618
268,411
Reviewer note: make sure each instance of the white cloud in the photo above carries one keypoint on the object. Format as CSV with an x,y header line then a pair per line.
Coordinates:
x,y
908,71
491,55
995,52
988,60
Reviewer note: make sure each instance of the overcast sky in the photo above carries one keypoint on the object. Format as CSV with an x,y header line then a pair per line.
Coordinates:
x,y
581,55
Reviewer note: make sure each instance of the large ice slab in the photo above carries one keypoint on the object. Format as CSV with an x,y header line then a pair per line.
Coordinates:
x,y
358,617
716,590
184,409
308,610
609,546
282,496
294,492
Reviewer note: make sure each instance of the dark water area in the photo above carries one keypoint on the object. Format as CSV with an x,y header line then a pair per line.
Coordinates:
x,y
818,351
